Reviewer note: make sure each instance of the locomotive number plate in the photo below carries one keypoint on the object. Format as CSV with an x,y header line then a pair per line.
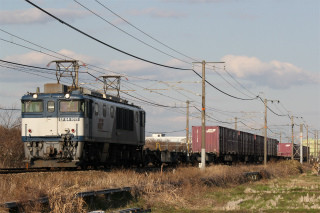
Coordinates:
x,y
69,119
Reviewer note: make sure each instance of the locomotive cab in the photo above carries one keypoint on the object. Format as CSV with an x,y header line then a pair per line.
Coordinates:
x,y
52,128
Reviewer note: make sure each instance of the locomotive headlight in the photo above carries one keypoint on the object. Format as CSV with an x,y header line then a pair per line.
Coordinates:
x,y
35,95
67,95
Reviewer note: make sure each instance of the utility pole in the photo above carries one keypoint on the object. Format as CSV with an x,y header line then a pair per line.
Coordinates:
x,y
308,154
265,129
314,143
301,146
317,154
292,149
280,137
203,115
235,123
265,133
187,130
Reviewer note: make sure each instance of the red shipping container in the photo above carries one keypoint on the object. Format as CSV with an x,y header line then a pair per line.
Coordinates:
x,y
212,139
284,149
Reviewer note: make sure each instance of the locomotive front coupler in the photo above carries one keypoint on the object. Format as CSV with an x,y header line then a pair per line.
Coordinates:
x,y
66,140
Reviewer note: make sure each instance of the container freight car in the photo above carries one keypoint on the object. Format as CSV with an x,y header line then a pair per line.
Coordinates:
x,y
285,150
229,145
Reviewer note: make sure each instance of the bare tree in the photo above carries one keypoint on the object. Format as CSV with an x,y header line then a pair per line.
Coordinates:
x,y
10,117
11,146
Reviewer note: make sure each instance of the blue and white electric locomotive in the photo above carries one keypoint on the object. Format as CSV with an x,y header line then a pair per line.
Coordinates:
x,y
65,127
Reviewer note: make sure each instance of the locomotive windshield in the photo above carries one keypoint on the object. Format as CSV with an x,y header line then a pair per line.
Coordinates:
x,y
32,106
71,106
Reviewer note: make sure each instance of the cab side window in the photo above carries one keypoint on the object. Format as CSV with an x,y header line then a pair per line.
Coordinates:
x,y
96,109
104,110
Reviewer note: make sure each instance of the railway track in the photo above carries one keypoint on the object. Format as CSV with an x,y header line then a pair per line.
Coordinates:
x,y
21,170
56,169
31,170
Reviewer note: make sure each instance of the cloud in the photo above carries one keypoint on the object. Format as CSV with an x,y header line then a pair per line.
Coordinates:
x,y
40,59
274,74
153,12
35,16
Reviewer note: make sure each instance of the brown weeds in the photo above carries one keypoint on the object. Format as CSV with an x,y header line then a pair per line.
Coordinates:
x,y
179,188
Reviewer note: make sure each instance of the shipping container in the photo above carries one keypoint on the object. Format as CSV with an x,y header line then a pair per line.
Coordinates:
x,y
219,140
212,139
272,147
246,144
259,145
285,150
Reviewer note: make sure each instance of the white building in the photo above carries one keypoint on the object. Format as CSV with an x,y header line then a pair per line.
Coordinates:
x,y
162,137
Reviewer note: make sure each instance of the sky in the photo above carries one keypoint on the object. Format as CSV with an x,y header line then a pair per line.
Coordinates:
x,y
270,49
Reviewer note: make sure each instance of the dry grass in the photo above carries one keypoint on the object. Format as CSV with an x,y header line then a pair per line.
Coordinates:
x,y
180,188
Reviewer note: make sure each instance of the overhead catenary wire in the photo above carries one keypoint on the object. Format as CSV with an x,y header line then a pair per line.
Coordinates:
x,y
89,64
229,83
104,43
126,53
244,99
260,98
24,65
143,100
157,49
148,35
100,80
272,110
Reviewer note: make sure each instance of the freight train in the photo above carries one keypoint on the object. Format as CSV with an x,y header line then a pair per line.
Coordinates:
x,y
76,127
229,145
225,145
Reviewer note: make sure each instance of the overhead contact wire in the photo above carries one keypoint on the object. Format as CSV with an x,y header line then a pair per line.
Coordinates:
x,y
101,42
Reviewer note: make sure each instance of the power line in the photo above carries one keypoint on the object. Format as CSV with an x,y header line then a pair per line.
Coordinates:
x,y
129,33
151,38
272,110
24,65
144,32
65,56
98,67
102,42
229,82
244,99
213,117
